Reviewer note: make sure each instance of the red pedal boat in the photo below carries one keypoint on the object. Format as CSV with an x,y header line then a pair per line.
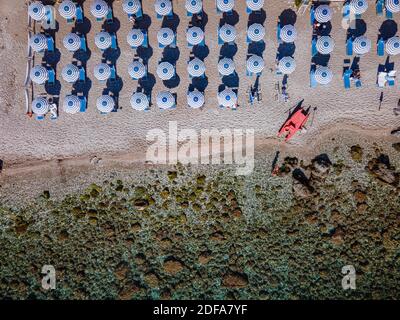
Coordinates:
x,y
294,123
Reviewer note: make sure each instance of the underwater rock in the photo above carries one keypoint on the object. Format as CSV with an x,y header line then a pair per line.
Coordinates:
x,y
396,146
381,169
360,196
141,204
356,153
172,265
301,184
235,280
320,166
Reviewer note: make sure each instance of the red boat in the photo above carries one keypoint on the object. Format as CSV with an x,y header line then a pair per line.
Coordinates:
x,y
294,123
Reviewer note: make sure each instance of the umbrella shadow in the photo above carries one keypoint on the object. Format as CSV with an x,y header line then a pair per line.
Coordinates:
x,y
83,56
170,54
287,16
231,18
145,53
387,30
171,22
285,49
257,17
147,84
199,20
321,59
143,23
114,87
82,28
387,66
228,50
53,89
82,87
231,81
201,52
325,29
359,30
256,48
111,55
172,83
200,83
112,27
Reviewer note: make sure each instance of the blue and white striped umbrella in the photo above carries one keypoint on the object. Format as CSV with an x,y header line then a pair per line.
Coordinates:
x,y
393,5
67,9
393,46
194,36
225,5
361,45
287,65
131,6
358,6
40,106
71,104
323,75
227,98
38,42
194,6
137,70
325,45
323,13
135,38
139,101
255,5
39,74
226,66
103,40
99,9
37,11
196,67
102,71
195,99
255,64
165,100
72,42
227,33
165,71
256,32
70,73
105,104
163,7
166,36
288,33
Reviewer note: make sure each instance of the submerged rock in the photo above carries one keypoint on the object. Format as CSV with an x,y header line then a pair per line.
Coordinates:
x,y
235,280
381,169
320,166
356,153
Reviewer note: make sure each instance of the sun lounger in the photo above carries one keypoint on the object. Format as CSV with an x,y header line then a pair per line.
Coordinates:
x,y
83,102
52,77
313,82
358,83
379,7
346,78
82,74
50,44
278,32
40,118
113,73
110,16
312,15
349,47
346,11
79,14
83,43
139,14
391,78
389,14
314,50
113,41
381,47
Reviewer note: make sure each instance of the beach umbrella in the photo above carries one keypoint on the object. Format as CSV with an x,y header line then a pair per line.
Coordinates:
x,y
72,42
165,70
323,13
37,11
166,36
227,33
165,100
227,98
194,36
287,65
196,67
103,40
135,38
195,99
102,71
71,104
137,70
70,73
139,101
288,33
194,6
323,75
163,7
226,66
256,32
255,64
40,106
358,6
225,5
38,42
105,104
325,45
393,46
99,9
131,6
361,45
39,74
67,9
255,5
393,5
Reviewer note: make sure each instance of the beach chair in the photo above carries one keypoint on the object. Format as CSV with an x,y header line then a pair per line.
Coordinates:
x,y
358,83
313,82
381,47
113,73
39,118
79,15
83,104
114,41
110,16
138,14
83,43
314,50
278,32
391,78
379,8
346,78
349,47
52,77
389,14
145,43
50,44
312,15
82,75
346,10
220,41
